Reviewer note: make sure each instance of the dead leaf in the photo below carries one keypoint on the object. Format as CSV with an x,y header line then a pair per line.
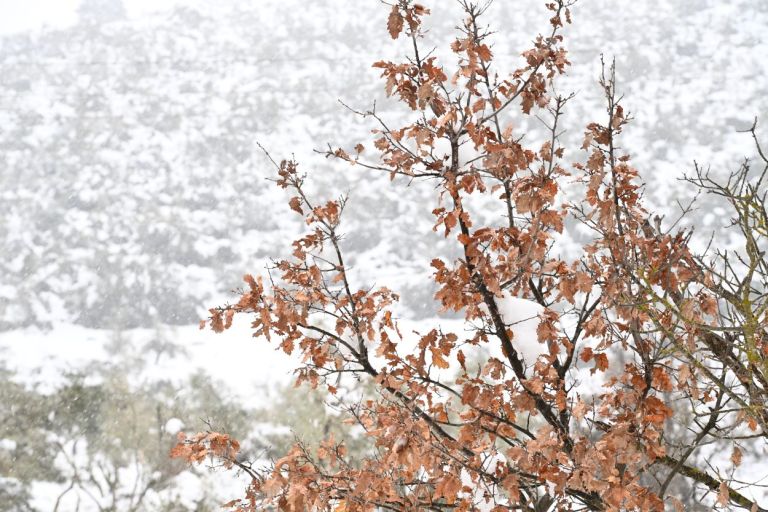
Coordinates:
x,y
395,22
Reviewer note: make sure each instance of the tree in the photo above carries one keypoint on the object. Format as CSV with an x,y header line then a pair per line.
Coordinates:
x,y
99,441
296,413
636,326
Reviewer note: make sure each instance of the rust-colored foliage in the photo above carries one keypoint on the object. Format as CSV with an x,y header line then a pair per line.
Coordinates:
x,y
204,445
658,327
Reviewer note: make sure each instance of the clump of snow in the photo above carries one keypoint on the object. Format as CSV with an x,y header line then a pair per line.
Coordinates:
x,y
522,317
7,444
173,426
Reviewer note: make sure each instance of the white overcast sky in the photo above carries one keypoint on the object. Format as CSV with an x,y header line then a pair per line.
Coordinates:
x,y
19,16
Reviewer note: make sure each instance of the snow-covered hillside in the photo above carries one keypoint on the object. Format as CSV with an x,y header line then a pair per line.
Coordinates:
x,y
132,173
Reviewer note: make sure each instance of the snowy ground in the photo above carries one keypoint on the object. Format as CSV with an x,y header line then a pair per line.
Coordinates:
x,y
234,357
